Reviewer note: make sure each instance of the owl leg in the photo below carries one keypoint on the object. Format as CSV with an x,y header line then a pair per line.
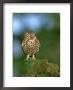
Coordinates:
x,y
33,57
27,57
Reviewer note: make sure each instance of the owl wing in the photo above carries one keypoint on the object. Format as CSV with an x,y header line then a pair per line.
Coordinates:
x,y
23,43
37,42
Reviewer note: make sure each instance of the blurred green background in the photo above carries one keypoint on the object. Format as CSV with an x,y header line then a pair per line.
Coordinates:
x,y
47,28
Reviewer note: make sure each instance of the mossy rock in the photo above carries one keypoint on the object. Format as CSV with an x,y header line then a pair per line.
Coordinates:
x,y
53,70
42,68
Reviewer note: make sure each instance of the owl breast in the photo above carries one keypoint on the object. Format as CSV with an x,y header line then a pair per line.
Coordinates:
x,y
31,47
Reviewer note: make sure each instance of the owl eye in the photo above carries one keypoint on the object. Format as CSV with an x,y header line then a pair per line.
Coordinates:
x,y
26,34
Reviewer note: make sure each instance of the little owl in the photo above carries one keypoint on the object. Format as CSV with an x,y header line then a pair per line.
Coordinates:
x,y
30,45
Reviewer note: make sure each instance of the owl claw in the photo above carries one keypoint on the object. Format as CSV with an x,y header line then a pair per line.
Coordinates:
x,y
27,57
33,57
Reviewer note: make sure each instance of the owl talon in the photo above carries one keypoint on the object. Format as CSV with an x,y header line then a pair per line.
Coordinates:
x,y
33,57
27,58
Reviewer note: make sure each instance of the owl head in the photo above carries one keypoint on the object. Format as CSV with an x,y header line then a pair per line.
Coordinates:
x,y
29,35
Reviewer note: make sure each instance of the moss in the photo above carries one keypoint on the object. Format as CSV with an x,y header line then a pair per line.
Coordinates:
x,y
42,68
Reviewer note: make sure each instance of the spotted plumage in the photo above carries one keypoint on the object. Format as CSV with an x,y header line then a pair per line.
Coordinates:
x,y
30,44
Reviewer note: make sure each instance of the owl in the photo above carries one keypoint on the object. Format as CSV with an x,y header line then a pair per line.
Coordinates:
x,y
30,45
